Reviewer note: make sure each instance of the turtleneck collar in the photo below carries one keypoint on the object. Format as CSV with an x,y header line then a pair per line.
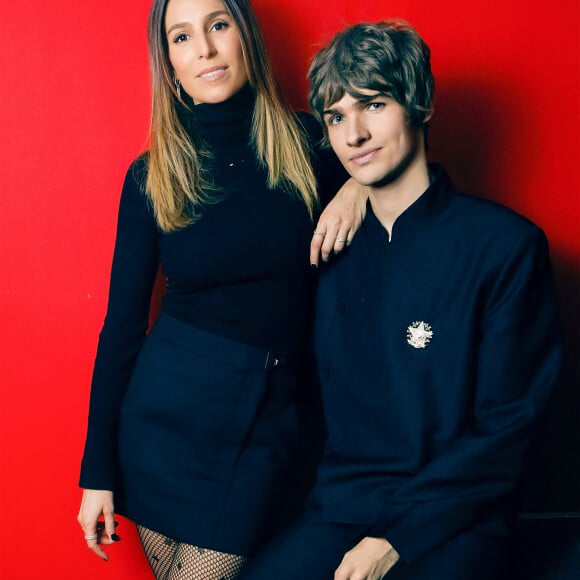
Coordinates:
x,y
224,123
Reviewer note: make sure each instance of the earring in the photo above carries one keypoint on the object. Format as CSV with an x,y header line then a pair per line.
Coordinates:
x,y
177,84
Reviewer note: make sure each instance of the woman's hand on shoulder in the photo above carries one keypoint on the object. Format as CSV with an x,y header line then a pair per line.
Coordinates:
x,y
96,503
339,221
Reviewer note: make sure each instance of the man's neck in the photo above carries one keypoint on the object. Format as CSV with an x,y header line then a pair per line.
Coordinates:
x,y
391,200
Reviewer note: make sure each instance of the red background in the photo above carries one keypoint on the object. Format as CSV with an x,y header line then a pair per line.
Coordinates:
x,y
74,108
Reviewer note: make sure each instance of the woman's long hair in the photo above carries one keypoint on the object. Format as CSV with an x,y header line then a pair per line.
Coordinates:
x,y
175,182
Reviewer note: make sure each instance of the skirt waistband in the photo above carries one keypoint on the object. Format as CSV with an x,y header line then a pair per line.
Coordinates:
x,y
226,350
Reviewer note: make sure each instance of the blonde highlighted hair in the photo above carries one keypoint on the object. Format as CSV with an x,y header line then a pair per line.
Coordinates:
x,y
176,184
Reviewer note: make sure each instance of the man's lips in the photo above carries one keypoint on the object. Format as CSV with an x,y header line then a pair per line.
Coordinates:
x,y
364,156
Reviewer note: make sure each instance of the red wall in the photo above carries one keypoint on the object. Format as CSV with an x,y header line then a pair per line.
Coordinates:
x,y
74,111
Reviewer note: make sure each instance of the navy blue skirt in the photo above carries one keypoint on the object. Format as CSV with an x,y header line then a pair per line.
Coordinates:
x,y
218,440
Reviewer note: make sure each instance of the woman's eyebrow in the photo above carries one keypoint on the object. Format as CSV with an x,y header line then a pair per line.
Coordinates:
x,y
210,16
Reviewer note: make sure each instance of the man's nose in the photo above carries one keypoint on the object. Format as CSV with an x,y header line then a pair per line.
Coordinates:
x,y
357,132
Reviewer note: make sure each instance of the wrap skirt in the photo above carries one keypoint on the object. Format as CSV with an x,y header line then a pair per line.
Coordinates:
x,y
218,441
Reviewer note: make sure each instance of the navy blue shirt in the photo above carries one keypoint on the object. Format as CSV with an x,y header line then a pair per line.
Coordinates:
x,y
437,351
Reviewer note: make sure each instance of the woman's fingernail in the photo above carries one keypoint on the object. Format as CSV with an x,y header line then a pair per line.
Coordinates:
x,y
115,538
314,266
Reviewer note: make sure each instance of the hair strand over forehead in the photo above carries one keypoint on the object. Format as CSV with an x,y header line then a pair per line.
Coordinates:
x,y
388,57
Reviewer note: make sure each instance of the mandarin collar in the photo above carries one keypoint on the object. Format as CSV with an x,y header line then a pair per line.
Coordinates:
x,y
428,205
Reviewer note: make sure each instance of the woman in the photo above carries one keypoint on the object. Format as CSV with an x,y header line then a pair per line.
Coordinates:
x,y
198,429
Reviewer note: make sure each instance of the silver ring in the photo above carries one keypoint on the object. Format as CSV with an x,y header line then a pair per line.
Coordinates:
x,y
319,233
91,536
341,239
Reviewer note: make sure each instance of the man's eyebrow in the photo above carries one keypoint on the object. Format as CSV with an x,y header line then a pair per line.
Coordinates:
x,y
361,100
210,16
368,98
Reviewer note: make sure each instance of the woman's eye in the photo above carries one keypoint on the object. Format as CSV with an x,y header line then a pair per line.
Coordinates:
x,y
219,26
180,38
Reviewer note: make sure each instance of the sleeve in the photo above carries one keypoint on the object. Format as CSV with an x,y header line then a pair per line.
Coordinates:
x,y
329,171
517,366
135,265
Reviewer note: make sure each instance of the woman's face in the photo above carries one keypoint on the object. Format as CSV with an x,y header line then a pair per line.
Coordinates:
x,y
205,49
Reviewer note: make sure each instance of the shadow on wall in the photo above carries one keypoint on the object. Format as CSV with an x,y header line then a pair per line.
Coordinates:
x,y
553,483
477,132
478,127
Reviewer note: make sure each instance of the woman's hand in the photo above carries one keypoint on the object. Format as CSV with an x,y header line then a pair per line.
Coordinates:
x,y
97,503
370,559
339,221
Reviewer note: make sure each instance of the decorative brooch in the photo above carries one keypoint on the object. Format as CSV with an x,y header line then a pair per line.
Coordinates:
x,y
419,334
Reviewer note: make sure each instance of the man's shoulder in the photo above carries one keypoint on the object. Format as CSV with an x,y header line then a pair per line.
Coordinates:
x,y
490,222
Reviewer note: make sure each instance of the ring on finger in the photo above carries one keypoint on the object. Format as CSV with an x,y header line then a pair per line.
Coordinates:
x,y
91,536
341,239
317,233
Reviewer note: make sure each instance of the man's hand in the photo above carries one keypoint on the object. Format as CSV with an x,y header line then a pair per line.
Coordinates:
x,y
370,559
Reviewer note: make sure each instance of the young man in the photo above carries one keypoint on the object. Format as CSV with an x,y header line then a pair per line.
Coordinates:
x,y
436,339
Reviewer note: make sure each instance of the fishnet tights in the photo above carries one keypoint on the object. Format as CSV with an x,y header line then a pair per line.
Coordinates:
x,y
172,560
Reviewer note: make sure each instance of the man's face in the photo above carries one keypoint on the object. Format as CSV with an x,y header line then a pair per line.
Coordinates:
x,y
371,137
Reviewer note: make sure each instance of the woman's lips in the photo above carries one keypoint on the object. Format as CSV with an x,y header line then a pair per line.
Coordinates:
x,y
212,74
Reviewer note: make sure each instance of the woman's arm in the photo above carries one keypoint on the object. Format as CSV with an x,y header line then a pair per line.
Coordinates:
x,y
135,264
94,504
342,199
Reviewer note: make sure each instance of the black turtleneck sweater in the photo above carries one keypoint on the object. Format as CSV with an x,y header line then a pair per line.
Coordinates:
x,y
241,271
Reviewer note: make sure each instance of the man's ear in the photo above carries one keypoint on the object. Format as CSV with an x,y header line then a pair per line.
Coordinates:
x,y
428,115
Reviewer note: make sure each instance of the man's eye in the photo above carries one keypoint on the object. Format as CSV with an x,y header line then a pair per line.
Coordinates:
x,y
375,106
334,119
